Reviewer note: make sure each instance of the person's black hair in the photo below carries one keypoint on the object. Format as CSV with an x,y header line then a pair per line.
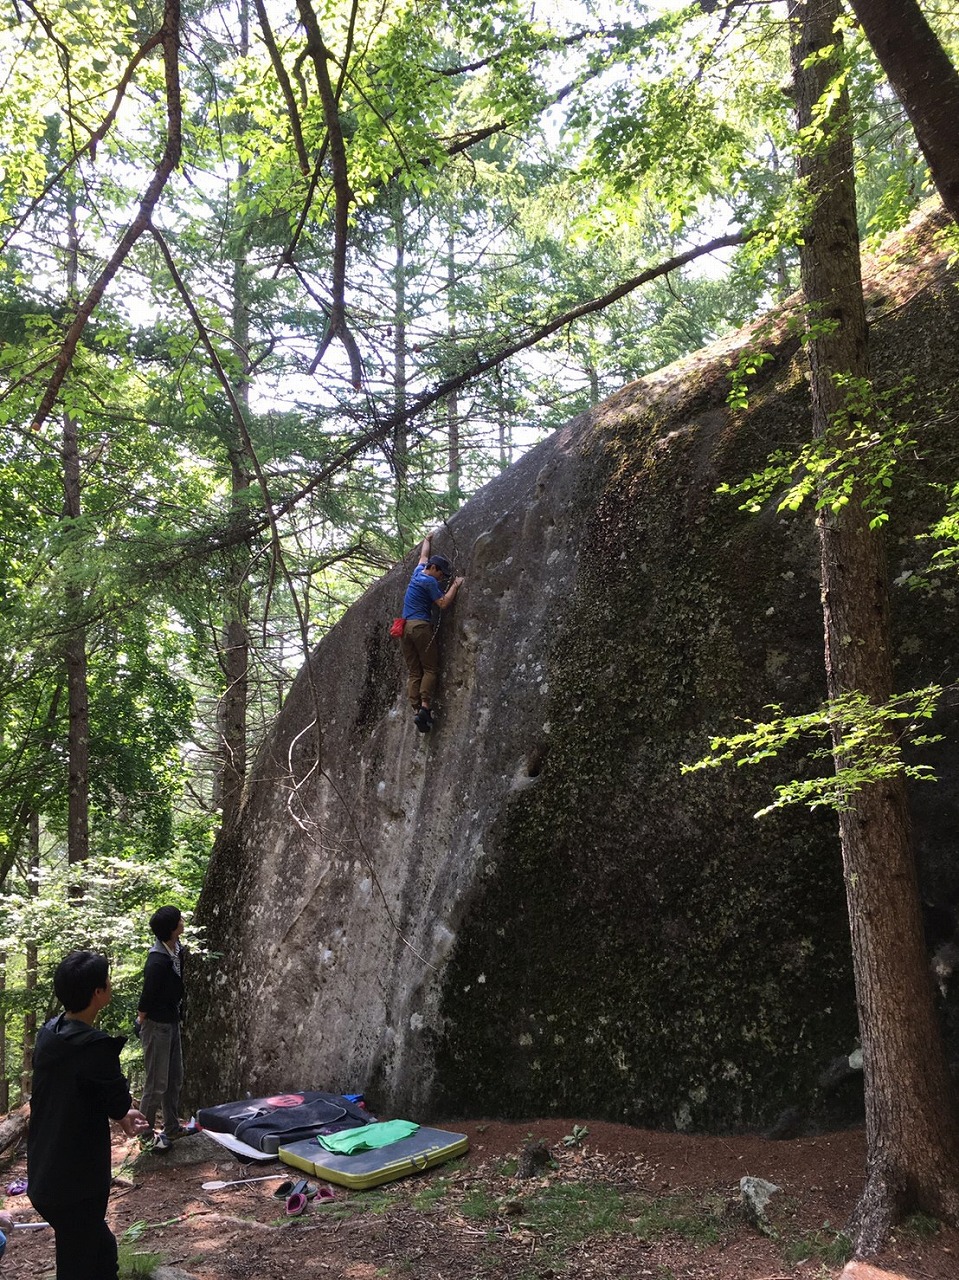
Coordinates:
x,y
78,976
441,563
163,921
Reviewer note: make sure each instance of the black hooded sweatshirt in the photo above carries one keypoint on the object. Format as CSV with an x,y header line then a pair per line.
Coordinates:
x,y
163,984
77,1088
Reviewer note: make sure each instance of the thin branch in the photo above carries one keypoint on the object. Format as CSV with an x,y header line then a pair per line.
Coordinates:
x,y
546,46
343,195
286,258
287,88
386,425
345,335
239,418
96,136
568,317
168,162
350,36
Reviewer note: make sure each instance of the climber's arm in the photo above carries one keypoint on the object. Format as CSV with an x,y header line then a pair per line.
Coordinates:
x,y
446,600
426,548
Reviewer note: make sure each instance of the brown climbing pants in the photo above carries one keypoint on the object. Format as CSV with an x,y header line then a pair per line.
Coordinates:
x,y
421,650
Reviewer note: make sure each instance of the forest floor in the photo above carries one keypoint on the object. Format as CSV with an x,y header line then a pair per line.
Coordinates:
x,y
615,1204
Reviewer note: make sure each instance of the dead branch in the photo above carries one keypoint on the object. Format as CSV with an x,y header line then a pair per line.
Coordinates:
x,y
248,1222
13,1127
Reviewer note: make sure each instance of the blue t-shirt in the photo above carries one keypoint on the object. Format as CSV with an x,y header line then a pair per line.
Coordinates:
x,y
421,595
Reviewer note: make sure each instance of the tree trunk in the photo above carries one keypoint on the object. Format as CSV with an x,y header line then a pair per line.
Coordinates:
x,y
454,463
4,1082
233,707
75,661
30,971
33,789
925,82
911,1127
504,416
400,437
592,373
75,645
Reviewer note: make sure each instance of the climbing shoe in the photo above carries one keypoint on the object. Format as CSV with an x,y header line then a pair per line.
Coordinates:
x,y
185,1130
423,720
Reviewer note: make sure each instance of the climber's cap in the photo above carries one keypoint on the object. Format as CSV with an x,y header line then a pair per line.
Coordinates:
x,y
441,563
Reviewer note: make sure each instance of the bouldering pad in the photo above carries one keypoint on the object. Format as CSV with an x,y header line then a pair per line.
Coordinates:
x,y
420,1151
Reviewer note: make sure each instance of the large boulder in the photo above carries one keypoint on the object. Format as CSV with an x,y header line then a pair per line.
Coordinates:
x,y
532,910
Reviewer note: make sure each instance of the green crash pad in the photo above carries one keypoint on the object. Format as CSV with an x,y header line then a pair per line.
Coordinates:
x,y
421,1150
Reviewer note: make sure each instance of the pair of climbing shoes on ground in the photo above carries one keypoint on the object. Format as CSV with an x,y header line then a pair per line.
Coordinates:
x,y
299,1193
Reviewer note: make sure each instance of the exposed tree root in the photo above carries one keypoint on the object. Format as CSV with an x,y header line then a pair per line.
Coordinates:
x,y
880,1207
886,1200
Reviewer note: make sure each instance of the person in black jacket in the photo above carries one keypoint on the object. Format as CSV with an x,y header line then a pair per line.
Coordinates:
x,y
78,1088
159,1017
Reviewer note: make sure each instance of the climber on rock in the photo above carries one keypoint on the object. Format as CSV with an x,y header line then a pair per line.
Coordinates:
x,y
419,641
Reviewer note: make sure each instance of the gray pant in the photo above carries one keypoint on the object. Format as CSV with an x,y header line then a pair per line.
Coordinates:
x,y
163,1059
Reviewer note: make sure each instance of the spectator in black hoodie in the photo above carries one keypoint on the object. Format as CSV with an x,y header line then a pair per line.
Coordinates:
x,y
159,1018
77,1088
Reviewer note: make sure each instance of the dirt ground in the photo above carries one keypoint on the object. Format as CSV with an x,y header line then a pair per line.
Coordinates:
x,y
615,1204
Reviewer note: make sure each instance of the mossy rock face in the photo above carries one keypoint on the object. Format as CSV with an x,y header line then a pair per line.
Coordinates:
x,y
533,910
643,948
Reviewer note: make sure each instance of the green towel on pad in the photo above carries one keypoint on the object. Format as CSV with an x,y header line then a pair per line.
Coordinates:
x,y
367,1137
